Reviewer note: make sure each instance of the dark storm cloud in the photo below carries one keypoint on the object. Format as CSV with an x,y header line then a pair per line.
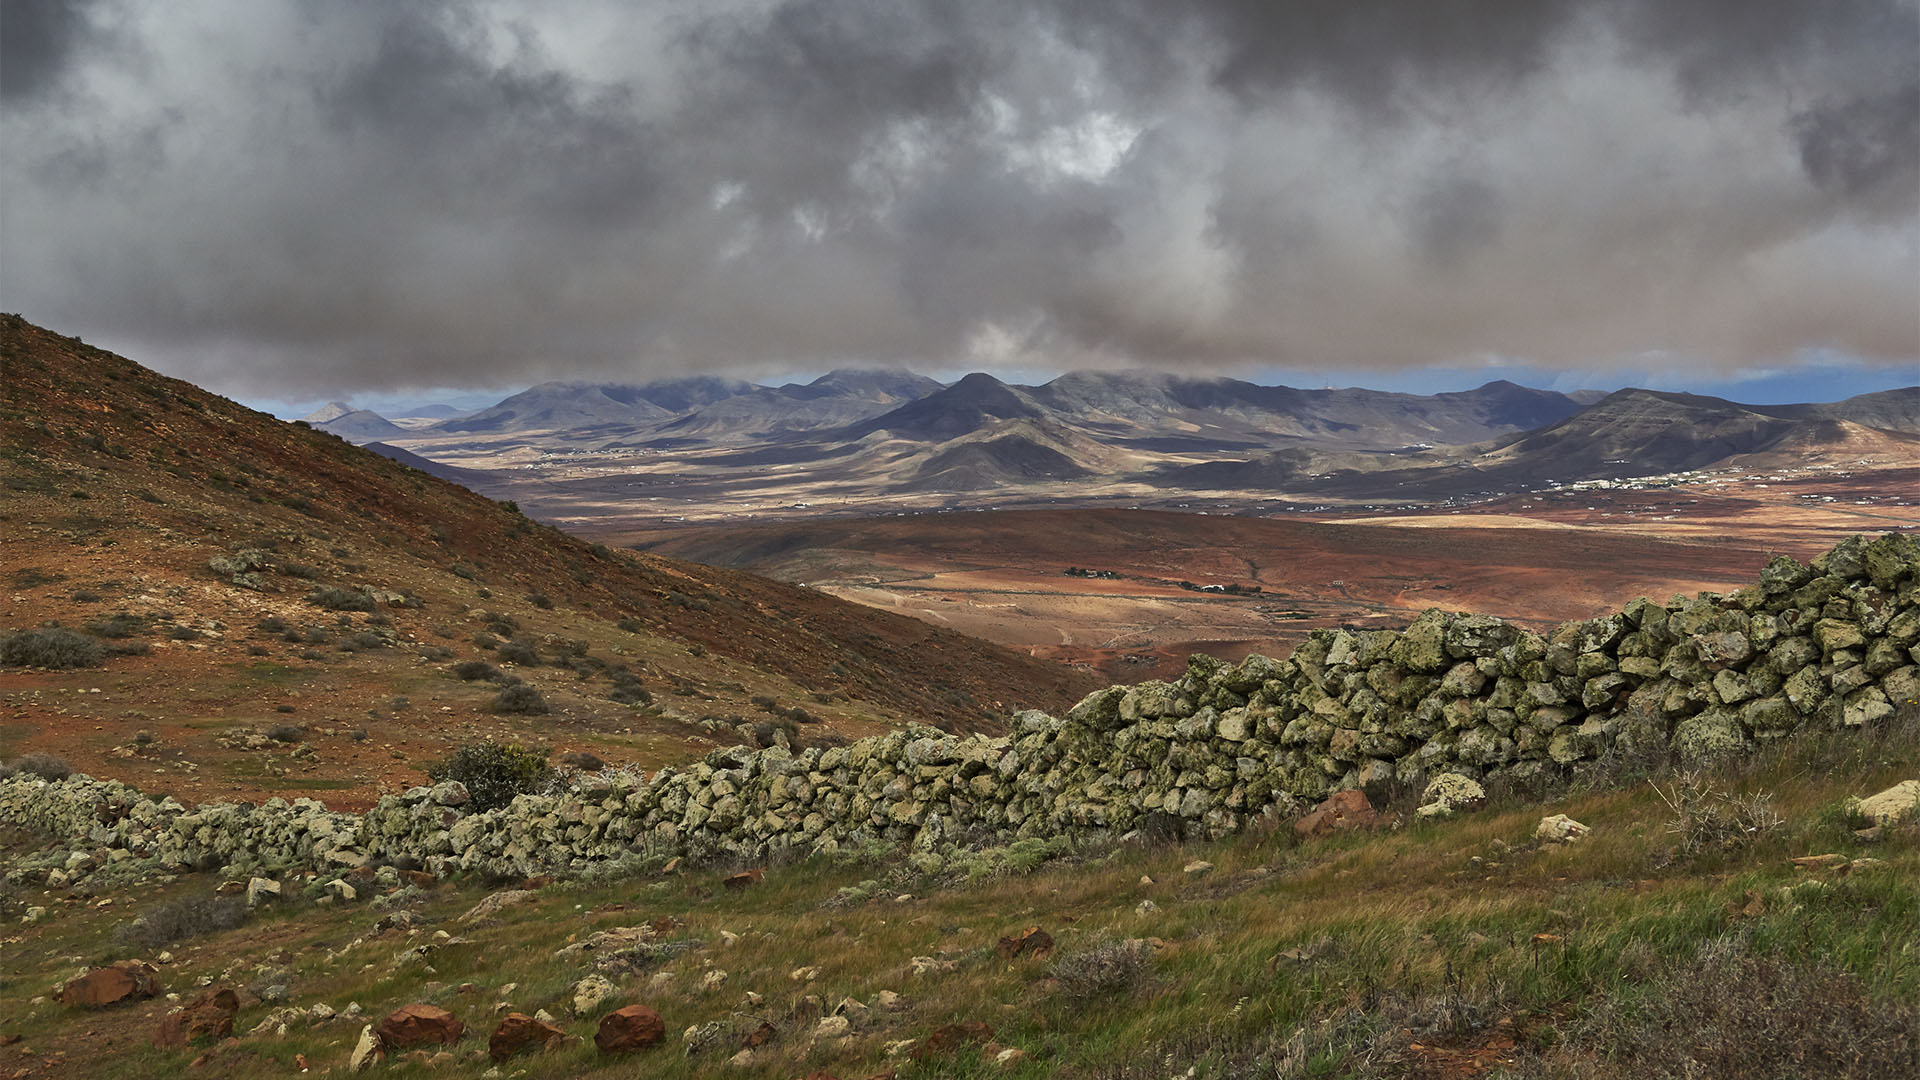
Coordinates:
x,y
38,40
300,196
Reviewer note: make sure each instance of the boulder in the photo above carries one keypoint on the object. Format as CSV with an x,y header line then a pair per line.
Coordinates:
x,y
518,1032
634,1027
262,891
1342,811
1894,805
125,980
417,1025
1450,793
1559,829
209,1015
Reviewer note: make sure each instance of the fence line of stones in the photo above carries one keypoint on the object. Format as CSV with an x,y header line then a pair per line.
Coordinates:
x,y
1833,645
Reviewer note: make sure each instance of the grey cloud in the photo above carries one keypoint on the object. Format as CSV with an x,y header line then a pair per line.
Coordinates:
x,y
1865,145
299,196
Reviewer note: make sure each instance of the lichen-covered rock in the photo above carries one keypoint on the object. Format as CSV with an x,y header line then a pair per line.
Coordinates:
x,y
1449,794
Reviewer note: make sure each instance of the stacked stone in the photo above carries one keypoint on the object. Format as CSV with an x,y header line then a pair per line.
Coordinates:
x,y
1832,645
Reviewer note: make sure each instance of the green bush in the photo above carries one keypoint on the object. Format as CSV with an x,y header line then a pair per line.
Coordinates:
x,y
50,647
493,773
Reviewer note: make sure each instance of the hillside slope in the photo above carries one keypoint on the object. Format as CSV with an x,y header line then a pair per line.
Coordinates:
x,y
122,485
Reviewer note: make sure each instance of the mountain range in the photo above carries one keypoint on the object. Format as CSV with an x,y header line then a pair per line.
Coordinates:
x,y
892,435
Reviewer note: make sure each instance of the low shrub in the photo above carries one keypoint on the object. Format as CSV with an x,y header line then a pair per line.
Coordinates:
x,y
334,598
1735,1011
493,773
520,698
1708,818
120,624
519,652
44,766
286,733
475,670
1102,969
183,919
50,647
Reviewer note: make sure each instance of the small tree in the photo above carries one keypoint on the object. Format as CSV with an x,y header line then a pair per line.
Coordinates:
x,y
493,773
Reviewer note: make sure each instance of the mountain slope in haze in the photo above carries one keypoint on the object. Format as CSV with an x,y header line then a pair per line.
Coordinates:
x,y
771,413
564,406
1634,433
332,410
245,552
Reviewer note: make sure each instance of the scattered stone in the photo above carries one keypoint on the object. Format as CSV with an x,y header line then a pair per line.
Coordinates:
x,y
367,1051
418,1024
125,980
744,879
590,993
1032,941
209,1015
262,891
951,1037
342,891
1820,862
1342,811
633,1027
833,1027
890,1001
482,913
518,1031
1559,829
804,974
760,1036
1197,866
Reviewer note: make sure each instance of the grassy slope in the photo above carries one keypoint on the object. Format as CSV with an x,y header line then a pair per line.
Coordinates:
x,y
1411,952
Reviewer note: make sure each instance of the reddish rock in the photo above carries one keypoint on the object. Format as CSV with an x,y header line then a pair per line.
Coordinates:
x,y
1344,810
518,1031
208,1015
1032,941
760,1036
743,879
634,1027
127,980
951,1037
417,1025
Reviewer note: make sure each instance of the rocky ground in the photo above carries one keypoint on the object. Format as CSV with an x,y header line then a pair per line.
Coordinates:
x,y
1767,906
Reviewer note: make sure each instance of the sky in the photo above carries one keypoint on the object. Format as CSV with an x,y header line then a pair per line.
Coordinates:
x,y
299,200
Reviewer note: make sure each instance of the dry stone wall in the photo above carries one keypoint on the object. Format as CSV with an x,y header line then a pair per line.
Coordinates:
x,y
1831,645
